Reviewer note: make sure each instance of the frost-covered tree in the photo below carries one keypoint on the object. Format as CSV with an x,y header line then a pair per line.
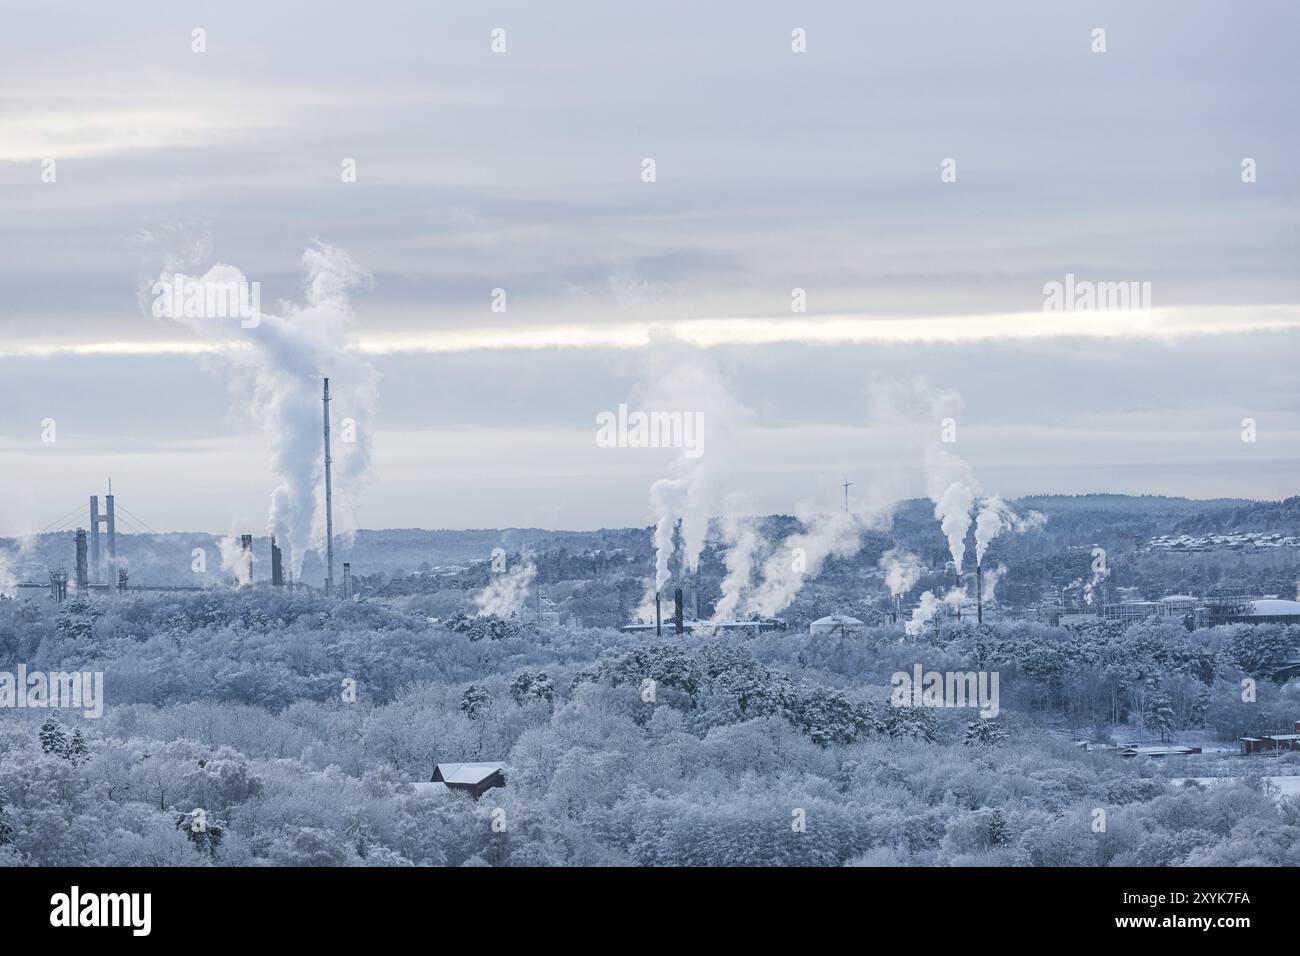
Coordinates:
x,y
475,702
76,749
52,737
983,733
1158,714
6,828
202,830
918,722
529,687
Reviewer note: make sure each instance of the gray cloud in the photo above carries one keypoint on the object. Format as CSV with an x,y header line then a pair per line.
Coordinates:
x,y
775,171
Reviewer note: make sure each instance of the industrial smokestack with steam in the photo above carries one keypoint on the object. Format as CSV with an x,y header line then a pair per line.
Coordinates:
x,y
902,571
277,564
282,359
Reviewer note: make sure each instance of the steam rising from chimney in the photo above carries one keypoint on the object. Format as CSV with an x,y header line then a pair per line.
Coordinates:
x,y
994,518
283,358
902,570
800,557
952,488
236,560
687,380
506,592
992,578
742,540
923,613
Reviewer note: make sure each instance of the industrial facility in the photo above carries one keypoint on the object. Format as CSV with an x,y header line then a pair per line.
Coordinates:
x,y
98,567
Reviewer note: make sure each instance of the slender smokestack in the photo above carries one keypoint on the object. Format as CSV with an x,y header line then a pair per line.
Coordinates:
x,y
677,610
112,528
329,499
979,594
659,628
277,564
347,581
246,555
83,577
95,569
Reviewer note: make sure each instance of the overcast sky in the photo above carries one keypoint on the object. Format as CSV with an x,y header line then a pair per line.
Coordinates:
x,y
775,170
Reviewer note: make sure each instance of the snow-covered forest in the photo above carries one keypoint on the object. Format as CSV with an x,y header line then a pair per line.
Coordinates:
x,y
621,749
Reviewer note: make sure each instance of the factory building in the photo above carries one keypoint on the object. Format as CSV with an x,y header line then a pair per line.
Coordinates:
x,y
706,627
1266,611
1272,744
1127,611
840,624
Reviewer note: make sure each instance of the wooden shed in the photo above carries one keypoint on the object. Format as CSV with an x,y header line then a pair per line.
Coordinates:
x,y
475,779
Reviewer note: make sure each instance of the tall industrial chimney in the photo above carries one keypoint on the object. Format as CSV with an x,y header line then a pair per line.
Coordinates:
x,y
329,499
95,569
83,575
677,610
112,528
979,595
659,628
246,555
347,581
277,564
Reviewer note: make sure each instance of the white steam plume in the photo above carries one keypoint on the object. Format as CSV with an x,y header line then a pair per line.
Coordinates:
x,y
742,540
1090,589
506,593
952,488
667,498
236,560
956,597
284,357
800,556
923,613
995,517
8,578
687,381
902,570
992,578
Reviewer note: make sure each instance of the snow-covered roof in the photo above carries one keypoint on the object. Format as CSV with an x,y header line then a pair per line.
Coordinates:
x,y
425,786
832,619
1274,608
1172,598
467,773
